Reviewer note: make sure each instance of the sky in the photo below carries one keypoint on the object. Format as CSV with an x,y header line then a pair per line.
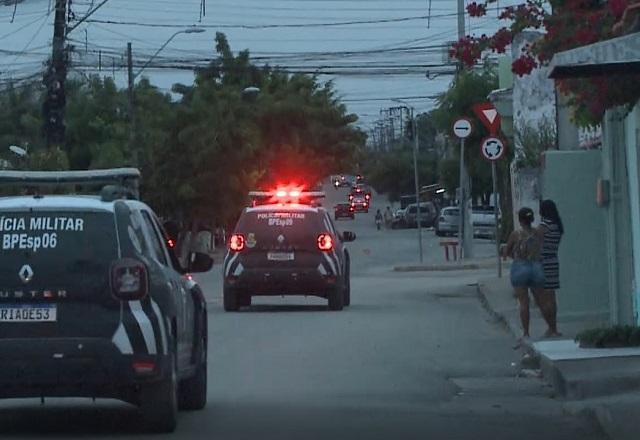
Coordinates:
x,y
374,51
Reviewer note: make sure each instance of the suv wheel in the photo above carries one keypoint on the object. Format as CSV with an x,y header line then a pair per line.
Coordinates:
x,y
347,289
230,300
193,391
159,402
336,299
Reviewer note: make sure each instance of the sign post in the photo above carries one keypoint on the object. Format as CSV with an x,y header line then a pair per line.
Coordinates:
x,y
463,128
493,149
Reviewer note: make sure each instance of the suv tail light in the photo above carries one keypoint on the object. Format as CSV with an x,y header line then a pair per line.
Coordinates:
x,y
367,196
129,280
237,243
325,242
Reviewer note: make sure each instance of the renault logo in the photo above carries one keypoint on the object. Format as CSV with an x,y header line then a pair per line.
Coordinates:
x,y
26,273
280,239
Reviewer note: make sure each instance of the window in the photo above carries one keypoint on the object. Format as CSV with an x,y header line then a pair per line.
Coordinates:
x,y
156,245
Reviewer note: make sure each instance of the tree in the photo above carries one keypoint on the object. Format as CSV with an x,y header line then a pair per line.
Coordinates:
x,y
468,88
569,24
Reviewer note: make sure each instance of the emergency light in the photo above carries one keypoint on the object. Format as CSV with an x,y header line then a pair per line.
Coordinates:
x,y
285,196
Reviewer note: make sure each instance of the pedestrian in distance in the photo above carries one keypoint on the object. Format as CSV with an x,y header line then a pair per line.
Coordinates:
x,y
378,219
525,247
388,218
553,229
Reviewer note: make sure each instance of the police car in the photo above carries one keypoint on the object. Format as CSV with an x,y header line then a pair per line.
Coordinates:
x,y
286,245
93,301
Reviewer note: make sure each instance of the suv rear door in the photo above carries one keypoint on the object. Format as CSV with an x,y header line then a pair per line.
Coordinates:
x,y
280,237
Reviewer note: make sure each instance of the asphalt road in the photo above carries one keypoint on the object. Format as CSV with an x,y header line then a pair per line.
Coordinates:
x,y
414,357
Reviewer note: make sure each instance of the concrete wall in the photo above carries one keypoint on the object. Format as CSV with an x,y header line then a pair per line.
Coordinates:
x,y
618,218
569,178
632,135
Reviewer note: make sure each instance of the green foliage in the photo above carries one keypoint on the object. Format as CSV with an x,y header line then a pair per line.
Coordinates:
x,y
392,172
608,337
534,142
201,155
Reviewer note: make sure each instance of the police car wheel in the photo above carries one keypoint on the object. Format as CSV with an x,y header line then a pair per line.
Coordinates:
x,y
230,300
193,391
336,299
159,403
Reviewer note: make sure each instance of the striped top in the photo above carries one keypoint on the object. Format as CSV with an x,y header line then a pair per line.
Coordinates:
x,y
552,237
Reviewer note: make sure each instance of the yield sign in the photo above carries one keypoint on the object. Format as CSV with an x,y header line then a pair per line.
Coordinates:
x,y
488,115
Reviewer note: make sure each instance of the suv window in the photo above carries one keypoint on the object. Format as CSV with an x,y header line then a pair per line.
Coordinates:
x,y
156,244
81,244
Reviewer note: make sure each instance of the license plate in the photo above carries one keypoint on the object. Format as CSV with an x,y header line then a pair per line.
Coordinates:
x,y
28,313
281,256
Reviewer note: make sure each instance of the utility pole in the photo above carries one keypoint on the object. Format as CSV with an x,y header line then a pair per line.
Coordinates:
x,y
132,106
54,80
466,231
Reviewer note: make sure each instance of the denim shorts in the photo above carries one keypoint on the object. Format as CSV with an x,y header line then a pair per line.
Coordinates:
x,y
527,274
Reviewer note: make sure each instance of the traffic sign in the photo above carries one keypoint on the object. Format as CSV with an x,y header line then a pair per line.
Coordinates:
x,y
488,115
493,148
462,128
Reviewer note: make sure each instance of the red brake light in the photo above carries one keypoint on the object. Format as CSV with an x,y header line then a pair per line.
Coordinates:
x,y
236,243
367,196
171,243
129,280
350,197
325,242
365,204
281,194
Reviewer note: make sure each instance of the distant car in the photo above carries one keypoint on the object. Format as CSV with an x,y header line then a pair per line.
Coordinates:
x,y
342,181
360,204
344,210
428,215
484,221
361,189
448,221
398,221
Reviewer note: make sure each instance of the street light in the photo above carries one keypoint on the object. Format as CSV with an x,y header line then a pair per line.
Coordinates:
x,y
191,30
18,150
132,77
415,170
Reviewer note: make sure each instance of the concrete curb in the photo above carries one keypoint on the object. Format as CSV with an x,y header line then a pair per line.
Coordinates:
x,y
438,268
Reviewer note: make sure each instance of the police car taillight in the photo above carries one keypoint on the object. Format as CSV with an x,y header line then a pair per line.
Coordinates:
x,y
325,242
129,280
237,242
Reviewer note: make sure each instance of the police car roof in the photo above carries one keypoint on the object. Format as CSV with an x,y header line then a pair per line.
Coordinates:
x,y
74,202
283,207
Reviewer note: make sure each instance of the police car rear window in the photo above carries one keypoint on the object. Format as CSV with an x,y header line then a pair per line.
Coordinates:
x,y
64,235
299,228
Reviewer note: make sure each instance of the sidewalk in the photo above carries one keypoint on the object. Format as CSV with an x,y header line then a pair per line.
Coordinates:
x,y
591,381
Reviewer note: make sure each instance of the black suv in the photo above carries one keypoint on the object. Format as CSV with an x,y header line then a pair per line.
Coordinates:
x,y
93,301
286,249
344,210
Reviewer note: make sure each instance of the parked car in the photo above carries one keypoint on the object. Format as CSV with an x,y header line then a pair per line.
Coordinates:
x,y
344,210
484,221
448,222
428,215
398,219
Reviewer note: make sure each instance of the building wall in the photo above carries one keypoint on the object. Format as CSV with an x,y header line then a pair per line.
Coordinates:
x,y
569,178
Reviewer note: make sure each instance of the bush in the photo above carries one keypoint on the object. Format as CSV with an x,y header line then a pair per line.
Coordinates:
x,y
609,337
